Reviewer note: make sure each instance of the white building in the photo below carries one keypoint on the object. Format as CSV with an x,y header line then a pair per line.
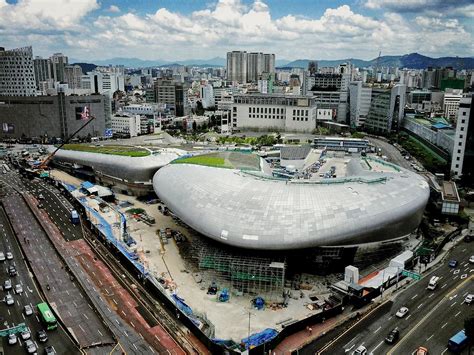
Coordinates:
x,y
237,66
360,97
207,95
125,123
463,145
279,112
103,83
17,77
452,97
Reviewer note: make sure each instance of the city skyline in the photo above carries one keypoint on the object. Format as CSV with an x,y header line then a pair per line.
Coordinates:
x,y
89,30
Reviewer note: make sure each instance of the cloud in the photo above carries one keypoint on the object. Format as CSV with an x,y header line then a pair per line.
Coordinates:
x,y
340,32
463,8
114,9
44,14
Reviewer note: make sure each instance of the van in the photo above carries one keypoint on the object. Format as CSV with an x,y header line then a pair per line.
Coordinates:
x,y
433,283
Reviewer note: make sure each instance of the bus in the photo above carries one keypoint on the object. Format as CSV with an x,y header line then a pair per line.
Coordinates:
x,y
47,317
457,342
74,217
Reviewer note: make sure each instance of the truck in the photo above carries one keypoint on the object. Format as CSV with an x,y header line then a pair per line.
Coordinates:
x,y
458,342
433,283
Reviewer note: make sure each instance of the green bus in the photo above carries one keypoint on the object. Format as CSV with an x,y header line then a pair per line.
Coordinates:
x,y
47,317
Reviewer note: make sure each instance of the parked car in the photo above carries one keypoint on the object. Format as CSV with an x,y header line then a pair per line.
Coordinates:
x,y
18,289
12,270
453,263
49,350
42,336
2,256
393,336
361,350
30,347
26,334
421,351
468,299
402,312
12,339
28,310
9,255
7,285
471,259
9,300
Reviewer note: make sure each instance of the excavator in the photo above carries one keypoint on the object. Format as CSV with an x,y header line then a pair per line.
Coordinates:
x,y
44,164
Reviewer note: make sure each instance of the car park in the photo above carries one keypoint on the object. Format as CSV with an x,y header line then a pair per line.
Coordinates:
x,y
402,312
453,263
9,255
361,350
9,300
469,298
28,310
393,336
12,339
25,335
18,289
7,285
42,336
30,347
2,256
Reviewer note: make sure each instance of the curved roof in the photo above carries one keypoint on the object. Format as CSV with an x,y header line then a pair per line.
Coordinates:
x,y
132,169
246,210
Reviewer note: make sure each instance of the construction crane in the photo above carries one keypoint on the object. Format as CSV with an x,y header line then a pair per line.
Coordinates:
x,y
44,164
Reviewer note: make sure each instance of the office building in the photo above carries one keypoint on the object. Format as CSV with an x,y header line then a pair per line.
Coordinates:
x,y
52,116
462,164
386,109
207,95
58,63
17,77
126,124
452,98
173,95
360,99
280,112
103,83
42,69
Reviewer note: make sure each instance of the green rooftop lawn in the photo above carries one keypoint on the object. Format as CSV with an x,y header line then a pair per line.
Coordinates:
x,y
108,149
207,160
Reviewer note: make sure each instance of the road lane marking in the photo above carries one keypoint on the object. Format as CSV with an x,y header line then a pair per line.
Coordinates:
x,y
453,304
457,314
444,285
408,317
350,341
432,335
444,351
414,296
377,347
444,325
376,330
421,304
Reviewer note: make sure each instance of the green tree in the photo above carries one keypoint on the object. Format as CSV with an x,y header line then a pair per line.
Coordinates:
x,y
469,330
194,126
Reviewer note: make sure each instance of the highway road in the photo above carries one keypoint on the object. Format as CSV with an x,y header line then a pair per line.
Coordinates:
x,y
14,315
392,153
372,330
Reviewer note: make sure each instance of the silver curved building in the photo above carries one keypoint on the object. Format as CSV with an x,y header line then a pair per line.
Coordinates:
x,y
251,211
128,174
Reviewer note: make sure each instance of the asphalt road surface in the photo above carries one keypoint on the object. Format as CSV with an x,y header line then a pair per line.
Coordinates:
x,y
14,315
421,326
392,153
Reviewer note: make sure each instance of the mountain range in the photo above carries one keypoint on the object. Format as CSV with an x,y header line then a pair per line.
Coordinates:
x,y
412,61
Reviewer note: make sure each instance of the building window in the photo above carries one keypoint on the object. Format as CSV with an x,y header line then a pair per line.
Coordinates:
x,y
464,114
460,143
462,128
459,151
457,166
457,158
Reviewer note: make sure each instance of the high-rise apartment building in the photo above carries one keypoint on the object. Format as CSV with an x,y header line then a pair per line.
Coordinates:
x,y
237,66
462,163
103,83
173,95
360,98
269,63
17,76
58,63
42,69
255,63
72,76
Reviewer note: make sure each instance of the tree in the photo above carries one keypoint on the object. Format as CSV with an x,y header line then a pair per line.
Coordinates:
x,y
194,126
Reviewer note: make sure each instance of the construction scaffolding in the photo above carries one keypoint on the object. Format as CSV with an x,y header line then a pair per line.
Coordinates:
x,y
241,271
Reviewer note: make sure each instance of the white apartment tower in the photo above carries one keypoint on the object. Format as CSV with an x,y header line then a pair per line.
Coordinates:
x,y
58,62
462,162
17,76
255,62
237,66
42,68
360,98
72,76
452,97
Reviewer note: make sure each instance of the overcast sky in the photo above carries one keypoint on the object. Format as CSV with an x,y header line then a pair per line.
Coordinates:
x,y
192,29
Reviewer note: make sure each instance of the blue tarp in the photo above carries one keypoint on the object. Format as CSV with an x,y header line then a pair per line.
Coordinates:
x,y
181,305
69,187
87,185
259,338
259,303
440,125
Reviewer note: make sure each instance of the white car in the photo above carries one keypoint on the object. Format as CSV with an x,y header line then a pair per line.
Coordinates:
x,y
2,256
469,298
361,350
9,255
28,310
30,347
402,312
18,289
25,335
7,285
9,300
471,259
12,339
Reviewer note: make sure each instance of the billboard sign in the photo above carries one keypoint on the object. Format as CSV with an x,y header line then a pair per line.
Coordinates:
x,y
83,113
108,133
